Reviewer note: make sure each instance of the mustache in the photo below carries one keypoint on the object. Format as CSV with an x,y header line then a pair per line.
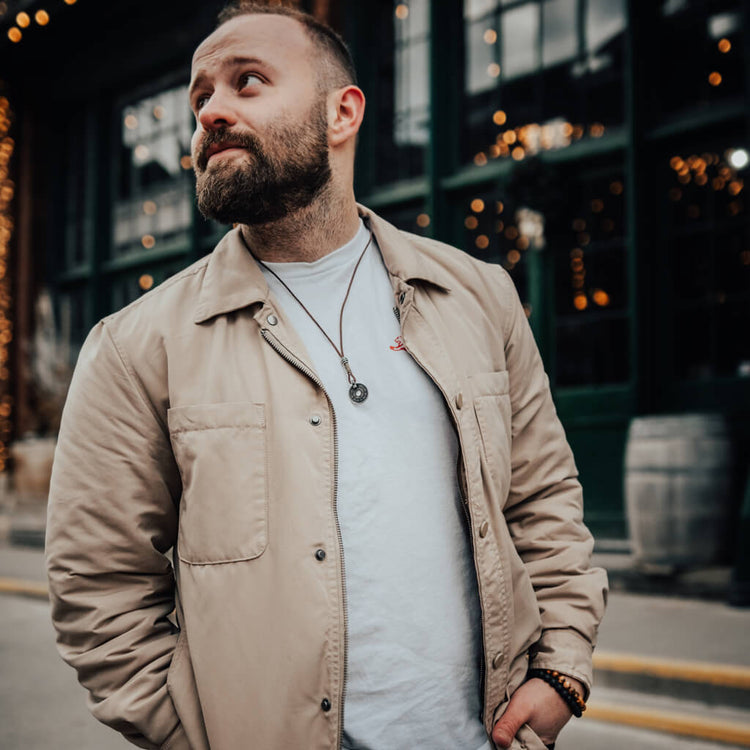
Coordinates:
x,y
223,137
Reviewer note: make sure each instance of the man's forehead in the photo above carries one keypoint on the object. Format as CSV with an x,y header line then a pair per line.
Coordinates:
x,y
277,39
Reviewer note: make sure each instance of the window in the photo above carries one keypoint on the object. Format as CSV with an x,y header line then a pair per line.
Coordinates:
x,y
591,289
401,91
540,74
154,195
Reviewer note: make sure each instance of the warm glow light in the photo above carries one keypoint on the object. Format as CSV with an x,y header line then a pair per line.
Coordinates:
x,y
522,243
131,122
499,226
146,281
480,159
141,152
159,112
70,2
509,136
735,187
494,151
490,36
724,45
701,179
493,70
715,79
186,162
597,205
518,153
149,208
580,302
23,20
600,297
471,222
423,220
676,163
514,256
499,118
596,130
579,225
148,241
14,34
576,264
683,178
511,233
499,207
576,252
477,205
482,242
577,132
402,11
41,17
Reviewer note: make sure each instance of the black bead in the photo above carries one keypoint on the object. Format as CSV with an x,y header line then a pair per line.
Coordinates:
x,y
320,555
325,704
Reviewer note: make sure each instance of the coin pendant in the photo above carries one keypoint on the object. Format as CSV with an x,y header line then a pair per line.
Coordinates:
x,y
358,393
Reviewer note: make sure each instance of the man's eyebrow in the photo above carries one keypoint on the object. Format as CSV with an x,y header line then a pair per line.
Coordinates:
x,y
230,62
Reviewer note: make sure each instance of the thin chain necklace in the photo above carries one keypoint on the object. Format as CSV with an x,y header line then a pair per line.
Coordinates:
x,y
358,392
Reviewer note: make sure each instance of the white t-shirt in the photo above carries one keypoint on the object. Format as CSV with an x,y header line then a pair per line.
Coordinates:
x,y
412,600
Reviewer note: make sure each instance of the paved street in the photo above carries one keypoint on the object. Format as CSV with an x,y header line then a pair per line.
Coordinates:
x,y
42,707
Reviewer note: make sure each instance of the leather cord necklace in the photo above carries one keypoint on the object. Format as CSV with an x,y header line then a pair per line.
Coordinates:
x,y
358,392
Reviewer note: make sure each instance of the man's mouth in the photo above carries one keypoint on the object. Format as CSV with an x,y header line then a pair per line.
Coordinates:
x,y
217,148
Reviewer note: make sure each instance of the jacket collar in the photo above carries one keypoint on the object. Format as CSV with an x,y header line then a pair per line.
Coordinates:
x,y
233,279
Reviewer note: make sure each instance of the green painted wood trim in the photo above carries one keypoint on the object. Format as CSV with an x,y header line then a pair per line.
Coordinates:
x,y
713,116
400,192
147,259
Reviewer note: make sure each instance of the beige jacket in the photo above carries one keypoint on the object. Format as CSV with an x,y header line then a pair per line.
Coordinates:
x,y
189,426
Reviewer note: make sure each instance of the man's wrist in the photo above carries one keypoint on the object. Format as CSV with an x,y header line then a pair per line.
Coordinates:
x,y
569,689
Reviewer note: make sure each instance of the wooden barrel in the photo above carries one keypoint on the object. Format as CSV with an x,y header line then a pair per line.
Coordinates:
x,y
678,489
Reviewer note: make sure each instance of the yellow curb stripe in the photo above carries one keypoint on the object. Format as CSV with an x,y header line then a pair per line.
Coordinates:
x,y
718,730
724,675
25,588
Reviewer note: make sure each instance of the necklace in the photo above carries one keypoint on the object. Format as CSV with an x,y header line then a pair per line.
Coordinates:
x,y
358,392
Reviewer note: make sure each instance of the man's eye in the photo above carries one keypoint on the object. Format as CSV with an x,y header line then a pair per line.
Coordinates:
x,y
249,80
201,102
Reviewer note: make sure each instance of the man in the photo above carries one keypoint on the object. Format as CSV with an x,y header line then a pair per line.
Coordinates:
x,y
346,436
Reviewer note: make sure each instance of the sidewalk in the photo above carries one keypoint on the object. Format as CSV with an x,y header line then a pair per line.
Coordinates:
x,y
663,663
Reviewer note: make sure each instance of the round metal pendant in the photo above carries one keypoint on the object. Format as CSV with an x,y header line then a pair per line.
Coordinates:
x,y
358,393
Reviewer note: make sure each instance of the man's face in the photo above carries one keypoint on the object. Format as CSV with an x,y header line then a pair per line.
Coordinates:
x,y
260,147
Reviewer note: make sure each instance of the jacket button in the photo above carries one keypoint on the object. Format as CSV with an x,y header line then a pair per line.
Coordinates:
x,y
315,420
483,529
320,555
497,660
459,400
325,704
272,320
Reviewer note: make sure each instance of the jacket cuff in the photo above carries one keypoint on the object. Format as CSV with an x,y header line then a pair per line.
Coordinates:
x,y
567,652
177,740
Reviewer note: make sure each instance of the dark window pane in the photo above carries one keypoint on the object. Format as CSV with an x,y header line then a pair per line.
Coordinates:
x,y
706,231
591,281
154,199
401,90
495,233
700,55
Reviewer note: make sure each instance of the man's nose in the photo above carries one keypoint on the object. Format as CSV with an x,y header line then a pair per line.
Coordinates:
x,y
217,113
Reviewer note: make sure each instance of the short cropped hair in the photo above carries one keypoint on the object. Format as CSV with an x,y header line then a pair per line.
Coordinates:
x,y
340,66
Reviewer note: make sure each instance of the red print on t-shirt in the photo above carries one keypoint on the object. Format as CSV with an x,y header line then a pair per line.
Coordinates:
x,y
399,347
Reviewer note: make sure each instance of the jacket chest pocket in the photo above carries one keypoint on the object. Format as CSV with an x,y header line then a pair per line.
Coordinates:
x,y
493,412
221,453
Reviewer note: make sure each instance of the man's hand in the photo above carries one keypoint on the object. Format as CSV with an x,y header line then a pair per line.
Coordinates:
x,y
537,704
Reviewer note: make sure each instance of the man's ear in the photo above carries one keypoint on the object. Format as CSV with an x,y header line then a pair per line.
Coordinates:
x,y
346,110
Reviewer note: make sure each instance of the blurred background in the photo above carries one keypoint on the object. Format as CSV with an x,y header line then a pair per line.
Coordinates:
x,y
597,149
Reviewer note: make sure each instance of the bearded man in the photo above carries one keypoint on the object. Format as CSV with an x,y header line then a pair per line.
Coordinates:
x,y
321,389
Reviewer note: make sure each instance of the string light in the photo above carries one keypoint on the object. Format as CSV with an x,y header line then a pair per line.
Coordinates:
x,y
14,34
7,190
423,221
715,79
724,45
402,11
477,205
41,17
490,36
23,20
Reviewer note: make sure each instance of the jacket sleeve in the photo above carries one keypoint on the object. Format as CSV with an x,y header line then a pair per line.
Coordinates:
x,y
112,515
544,513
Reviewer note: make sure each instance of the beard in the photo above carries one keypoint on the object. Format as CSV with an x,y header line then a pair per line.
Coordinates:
x,y
267,185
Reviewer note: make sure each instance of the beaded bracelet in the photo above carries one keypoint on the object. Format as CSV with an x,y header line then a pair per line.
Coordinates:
x,y
566,691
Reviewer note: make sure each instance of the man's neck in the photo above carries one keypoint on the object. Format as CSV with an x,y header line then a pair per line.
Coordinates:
x,y
307,234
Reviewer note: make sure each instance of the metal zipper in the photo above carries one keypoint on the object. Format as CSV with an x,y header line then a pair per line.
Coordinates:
x,y
464,501
283,352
